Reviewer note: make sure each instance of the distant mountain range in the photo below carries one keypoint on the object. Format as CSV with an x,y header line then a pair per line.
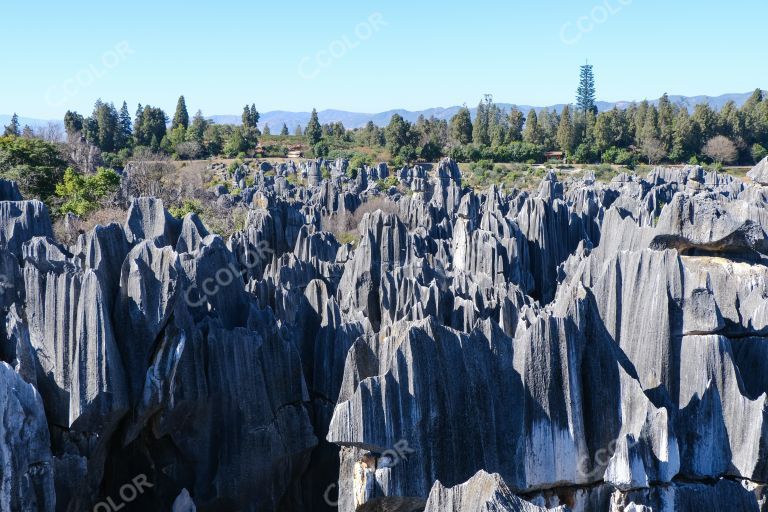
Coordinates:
x,y
276,118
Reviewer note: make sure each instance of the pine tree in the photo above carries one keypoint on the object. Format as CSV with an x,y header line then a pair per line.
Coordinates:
x,y
27,132
531,132
124,129
705,123
683,137
585,94
254,120
498,126
197,128
284,130
639,121
666,118
481,127
461,126
138,125
299,131
548,124
651,125
13,128
314,131
516,123
565,130
267,131
181,117
754,112
102,126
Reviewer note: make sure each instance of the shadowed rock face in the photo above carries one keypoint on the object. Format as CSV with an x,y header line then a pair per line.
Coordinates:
x,y
588,346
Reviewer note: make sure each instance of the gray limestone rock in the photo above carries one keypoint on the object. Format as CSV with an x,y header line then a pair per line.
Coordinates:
x,y
26,464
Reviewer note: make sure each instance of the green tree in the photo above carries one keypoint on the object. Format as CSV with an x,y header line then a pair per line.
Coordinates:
x,y
138,121
181,117
531,132
705,123
250,117
81,194
370,135
176,136
565,130
266,131
481,129
638,121
214,139
151,126
516,123
13,129
755,116
605,131
461,126
758,152
650,128
665,121
549,122
237,143
36,165
683,137
398,135
124,135
197,128
299,131
730,122
314,131
585,93
284,130
101,129
73,123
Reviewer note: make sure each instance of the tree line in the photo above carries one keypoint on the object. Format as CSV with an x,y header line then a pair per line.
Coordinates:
x,y
645,132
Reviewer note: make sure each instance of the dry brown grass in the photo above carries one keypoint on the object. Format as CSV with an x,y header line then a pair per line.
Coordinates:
x,y
344,226
67,234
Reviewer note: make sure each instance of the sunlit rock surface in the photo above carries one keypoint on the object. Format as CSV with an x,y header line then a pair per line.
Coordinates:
x,y
585,346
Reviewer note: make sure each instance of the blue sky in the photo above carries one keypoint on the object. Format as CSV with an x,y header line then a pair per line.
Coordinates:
x,y
370,56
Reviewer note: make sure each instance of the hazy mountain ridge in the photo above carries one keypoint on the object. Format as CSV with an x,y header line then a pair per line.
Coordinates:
x,y
276,118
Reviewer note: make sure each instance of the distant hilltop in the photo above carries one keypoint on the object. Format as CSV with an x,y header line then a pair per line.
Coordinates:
x,y
277,118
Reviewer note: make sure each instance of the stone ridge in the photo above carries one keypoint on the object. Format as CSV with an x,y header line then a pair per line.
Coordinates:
x,y
585,346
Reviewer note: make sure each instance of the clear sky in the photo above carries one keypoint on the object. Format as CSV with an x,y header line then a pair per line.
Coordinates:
x,y
370,56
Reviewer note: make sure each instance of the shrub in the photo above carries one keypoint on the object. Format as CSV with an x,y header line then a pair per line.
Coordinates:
x,y
189,150
294,179
188,206
397,161
81,194
605,172
234,166
67,232
758,152
387,183
357,161
585,154
321,149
